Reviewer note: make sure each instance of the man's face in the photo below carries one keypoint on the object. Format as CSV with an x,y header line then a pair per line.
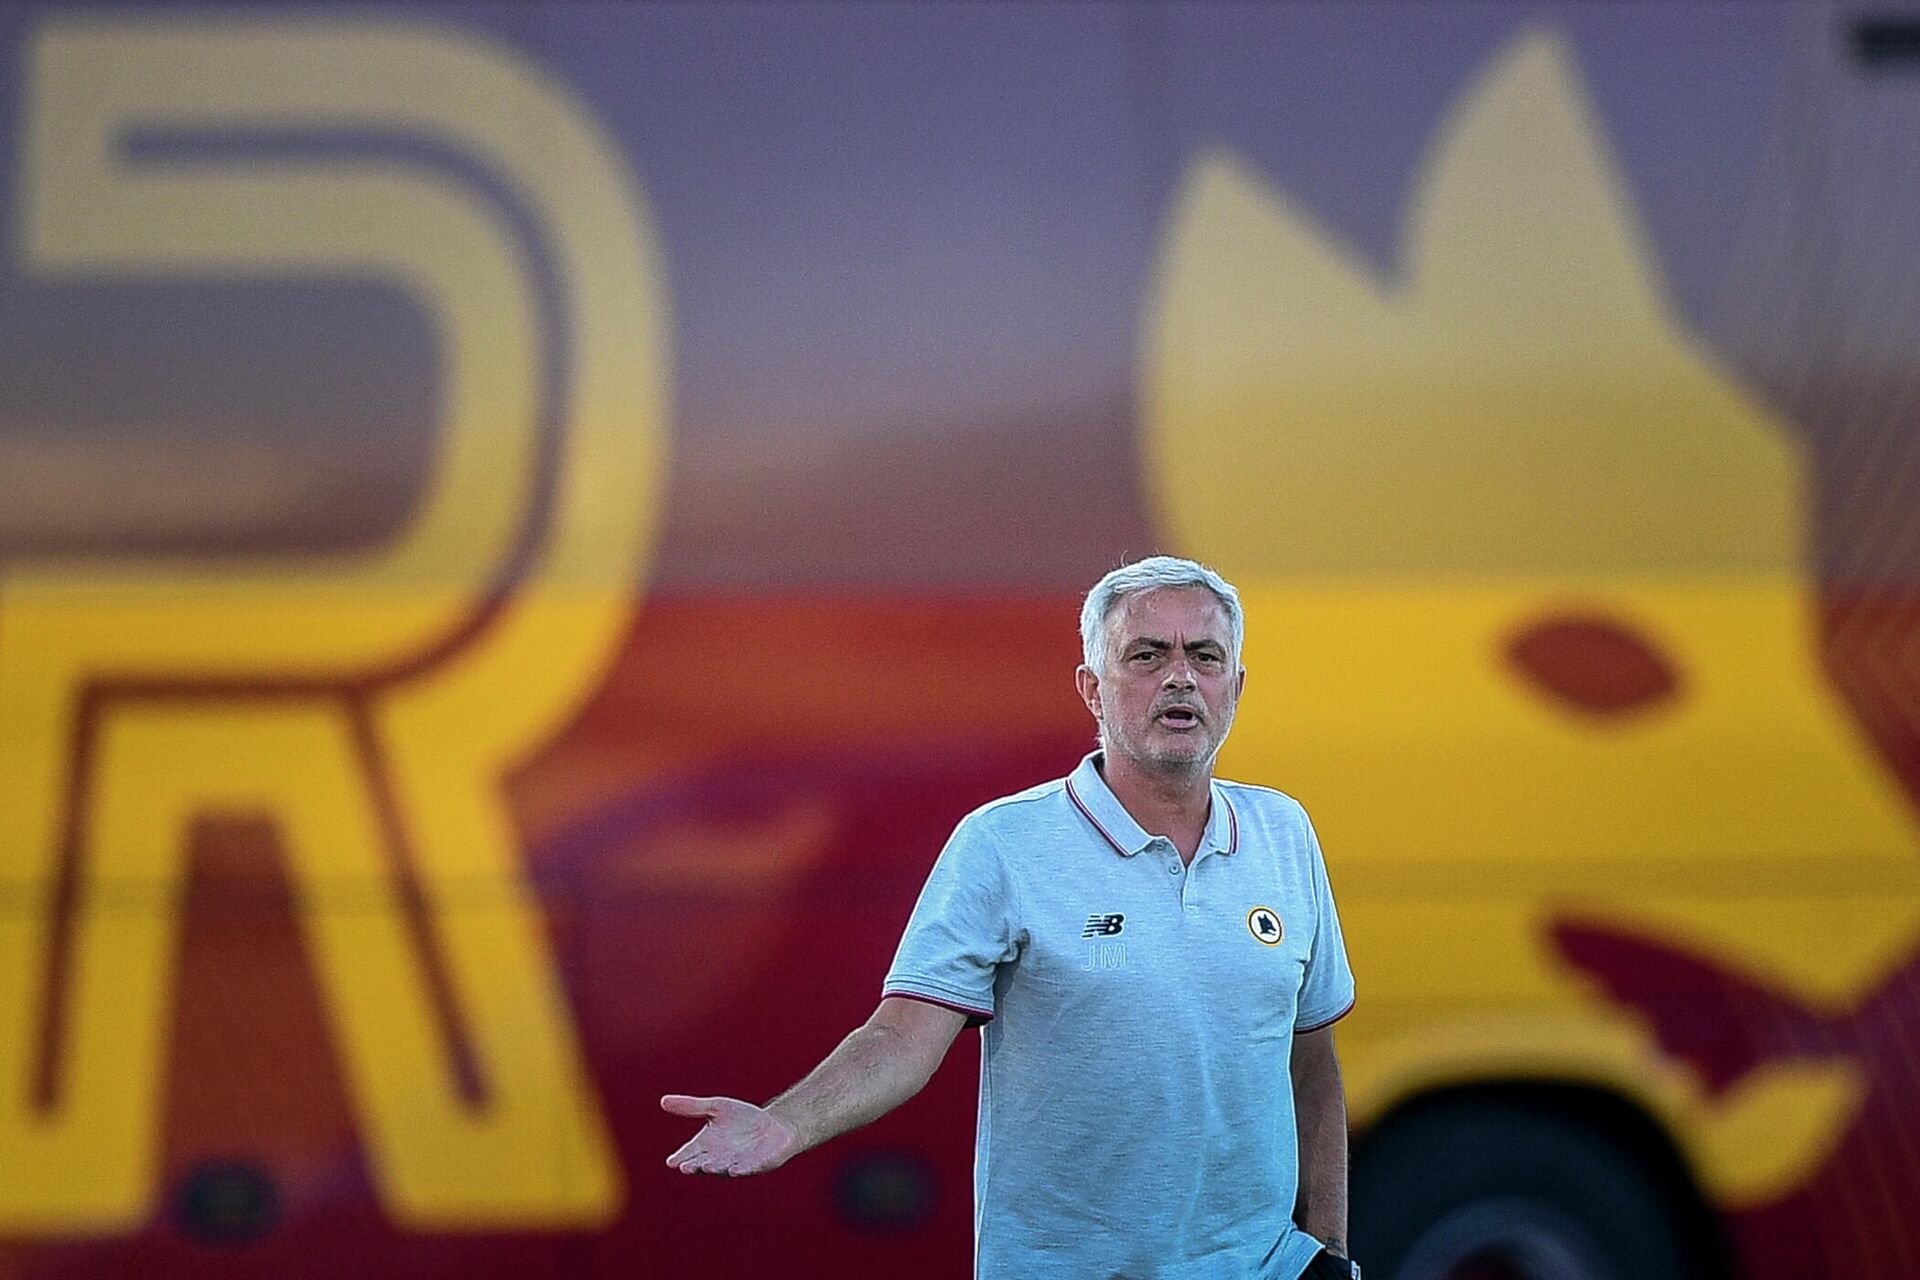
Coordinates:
x,y
1172,680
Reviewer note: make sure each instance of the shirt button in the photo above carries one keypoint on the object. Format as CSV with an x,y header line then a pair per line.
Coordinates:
x,y
1174,870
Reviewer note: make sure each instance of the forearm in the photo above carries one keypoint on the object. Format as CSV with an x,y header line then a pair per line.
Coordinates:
x,y
1320,1107
872,1072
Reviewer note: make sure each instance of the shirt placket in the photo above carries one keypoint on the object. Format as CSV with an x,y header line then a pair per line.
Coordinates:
x,y
1191,894
1184,876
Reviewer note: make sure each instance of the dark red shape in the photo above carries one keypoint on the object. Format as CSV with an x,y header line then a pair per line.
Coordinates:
x,y
1724,1024
1594,664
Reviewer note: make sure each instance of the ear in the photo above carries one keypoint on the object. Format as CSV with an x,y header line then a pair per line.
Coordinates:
x,y
1089,686
1240,684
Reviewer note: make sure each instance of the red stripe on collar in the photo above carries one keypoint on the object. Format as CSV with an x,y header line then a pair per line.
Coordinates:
x,y
1087,813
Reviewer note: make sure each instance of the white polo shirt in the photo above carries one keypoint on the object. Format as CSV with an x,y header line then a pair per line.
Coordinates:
x,y
1136,1110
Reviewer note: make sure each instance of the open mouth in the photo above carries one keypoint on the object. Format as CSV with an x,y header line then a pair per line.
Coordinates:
x,y
1179,718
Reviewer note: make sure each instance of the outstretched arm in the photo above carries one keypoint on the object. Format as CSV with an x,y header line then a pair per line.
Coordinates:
x,y
873,1071
1320,1111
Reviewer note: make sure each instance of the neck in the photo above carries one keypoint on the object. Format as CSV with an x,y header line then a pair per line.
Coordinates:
x,y
1174,804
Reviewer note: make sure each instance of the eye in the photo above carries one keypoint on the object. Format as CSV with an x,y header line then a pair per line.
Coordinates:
x,y
1593,664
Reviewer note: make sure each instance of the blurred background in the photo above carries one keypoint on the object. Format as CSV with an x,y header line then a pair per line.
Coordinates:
x,y
522,528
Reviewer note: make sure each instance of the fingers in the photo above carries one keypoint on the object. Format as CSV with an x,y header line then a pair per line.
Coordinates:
x,y
697,1158
694,1147
701,1156
711,1150
728,1171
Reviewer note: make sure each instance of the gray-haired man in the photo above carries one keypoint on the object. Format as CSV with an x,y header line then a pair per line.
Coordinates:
x,y
1156,960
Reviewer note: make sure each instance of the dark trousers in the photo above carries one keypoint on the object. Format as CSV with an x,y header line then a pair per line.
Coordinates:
x,y
1326,1267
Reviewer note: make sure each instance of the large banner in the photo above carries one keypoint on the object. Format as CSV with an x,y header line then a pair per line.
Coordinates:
x,y
523,527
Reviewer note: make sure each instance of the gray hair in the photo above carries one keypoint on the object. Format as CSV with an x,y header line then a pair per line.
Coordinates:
x,y
1151,574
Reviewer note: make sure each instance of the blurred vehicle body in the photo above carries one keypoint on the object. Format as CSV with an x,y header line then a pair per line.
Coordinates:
x,y
522,529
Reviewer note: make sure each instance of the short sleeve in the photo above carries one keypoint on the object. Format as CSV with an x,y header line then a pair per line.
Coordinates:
x,y
1326,994
961,929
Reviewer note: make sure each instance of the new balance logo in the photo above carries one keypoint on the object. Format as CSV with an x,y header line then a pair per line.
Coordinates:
x,y
1103,926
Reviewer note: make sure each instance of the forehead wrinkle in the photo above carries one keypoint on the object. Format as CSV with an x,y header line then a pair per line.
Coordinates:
x,y
1217,630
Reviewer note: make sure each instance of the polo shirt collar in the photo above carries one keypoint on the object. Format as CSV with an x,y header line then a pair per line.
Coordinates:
x,y
1096,802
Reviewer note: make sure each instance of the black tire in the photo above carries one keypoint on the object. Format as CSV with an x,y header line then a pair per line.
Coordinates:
x,y
1486,1189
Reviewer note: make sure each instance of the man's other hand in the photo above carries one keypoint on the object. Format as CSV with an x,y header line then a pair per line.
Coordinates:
x,y
738,1138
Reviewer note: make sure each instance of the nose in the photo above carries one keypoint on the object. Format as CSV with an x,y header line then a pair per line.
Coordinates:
x,y
1179,675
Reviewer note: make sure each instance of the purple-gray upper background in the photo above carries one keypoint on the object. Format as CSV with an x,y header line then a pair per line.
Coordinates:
x,y
907,247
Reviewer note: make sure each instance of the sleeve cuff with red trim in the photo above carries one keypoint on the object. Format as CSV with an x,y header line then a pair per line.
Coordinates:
x,y
975,1016
1301,1028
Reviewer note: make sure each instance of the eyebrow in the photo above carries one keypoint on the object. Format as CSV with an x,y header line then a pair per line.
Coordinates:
x,y
1163,646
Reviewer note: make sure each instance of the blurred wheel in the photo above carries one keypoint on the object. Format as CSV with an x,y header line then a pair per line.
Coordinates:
x,y
1478,1189
1505,1240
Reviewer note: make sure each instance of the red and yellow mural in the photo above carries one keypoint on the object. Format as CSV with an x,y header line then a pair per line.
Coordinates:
x,y
521,530
1524,562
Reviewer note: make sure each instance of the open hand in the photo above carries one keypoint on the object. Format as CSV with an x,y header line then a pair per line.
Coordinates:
x,y
738,1138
